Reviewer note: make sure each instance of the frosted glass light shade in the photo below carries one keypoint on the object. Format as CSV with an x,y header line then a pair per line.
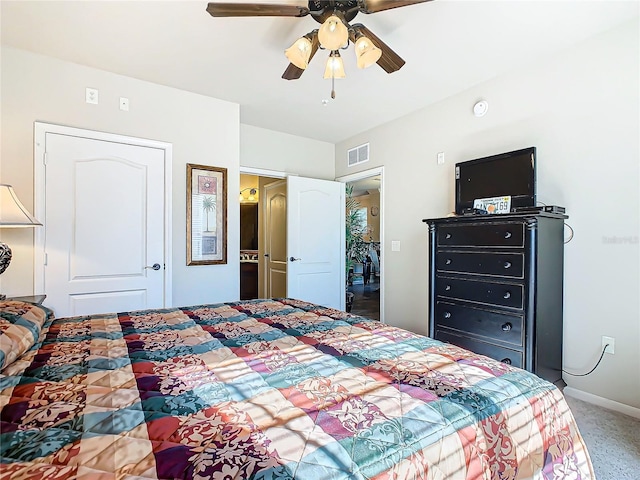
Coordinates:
x,y
366,52
335,66
299,52
12,212
333,33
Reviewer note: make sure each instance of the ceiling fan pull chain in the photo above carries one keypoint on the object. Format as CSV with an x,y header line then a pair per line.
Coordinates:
x,y
333,87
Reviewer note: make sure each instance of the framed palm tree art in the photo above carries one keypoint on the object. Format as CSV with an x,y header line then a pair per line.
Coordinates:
x,y
206,215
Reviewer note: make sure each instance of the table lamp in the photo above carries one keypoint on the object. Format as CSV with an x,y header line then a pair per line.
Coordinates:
x,y
12,215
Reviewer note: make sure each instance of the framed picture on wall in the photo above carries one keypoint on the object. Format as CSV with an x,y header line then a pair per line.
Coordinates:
x,y
206,215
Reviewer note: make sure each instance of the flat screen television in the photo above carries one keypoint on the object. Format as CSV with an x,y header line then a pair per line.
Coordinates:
x,y
510,173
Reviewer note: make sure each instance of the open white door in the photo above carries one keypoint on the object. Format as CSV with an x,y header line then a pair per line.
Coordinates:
x,y
316,241
275,239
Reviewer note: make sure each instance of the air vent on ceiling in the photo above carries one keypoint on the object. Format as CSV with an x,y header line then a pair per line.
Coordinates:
x,y
358,155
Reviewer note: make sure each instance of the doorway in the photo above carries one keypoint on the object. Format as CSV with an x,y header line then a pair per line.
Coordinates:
x,y
260,213
105,245
301,239
365,279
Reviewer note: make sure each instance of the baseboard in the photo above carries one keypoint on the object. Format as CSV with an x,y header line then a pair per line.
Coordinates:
x,y
602,402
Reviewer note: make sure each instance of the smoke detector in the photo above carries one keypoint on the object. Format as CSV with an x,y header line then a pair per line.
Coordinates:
x,y
480,108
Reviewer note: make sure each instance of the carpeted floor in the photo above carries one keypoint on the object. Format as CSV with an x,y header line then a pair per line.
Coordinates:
x,y
612,438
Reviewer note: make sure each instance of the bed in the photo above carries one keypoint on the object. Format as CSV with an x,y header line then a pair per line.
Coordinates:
x,y
267,389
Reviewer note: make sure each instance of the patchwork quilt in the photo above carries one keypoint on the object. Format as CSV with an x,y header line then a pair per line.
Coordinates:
x,y
273,389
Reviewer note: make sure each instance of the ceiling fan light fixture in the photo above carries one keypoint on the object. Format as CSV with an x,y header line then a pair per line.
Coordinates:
x,y
335,66
300,52
366,52
333,33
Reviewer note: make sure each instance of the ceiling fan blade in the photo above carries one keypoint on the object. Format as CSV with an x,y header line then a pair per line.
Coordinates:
x,y
390,61
222,9
292,72
373,6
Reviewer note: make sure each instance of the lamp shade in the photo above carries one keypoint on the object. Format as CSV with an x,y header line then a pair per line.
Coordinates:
x,y
299,52
12,212
366,52
335,66
333,33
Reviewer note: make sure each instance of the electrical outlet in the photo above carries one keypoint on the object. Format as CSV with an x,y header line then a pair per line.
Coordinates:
x,y
440,158
611,342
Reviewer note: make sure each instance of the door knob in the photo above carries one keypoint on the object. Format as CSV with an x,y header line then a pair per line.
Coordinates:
x,y
155,266
294,259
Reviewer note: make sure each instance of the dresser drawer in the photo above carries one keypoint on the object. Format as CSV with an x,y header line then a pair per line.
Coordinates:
x,y
484,235
492,293
505,355
494,326
509,265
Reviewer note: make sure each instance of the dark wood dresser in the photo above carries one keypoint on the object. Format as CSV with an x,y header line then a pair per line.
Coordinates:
x,y
495,287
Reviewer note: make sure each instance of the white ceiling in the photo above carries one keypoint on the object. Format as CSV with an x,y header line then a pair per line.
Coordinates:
x,y
449,46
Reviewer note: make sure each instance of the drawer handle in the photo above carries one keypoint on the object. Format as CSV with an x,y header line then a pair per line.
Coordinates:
x,y
447,314
447,287
507,235
507,294
506,360
507,264
506,327
447,261
447,236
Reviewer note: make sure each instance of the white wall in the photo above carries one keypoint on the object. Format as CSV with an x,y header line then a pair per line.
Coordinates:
x,y
270,150
202,130
581,110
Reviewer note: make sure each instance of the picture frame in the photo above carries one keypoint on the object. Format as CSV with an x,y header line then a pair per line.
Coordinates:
x,y
206,215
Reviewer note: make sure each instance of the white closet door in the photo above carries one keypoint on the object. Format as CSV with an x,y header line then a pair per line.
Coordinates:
x,y
104,226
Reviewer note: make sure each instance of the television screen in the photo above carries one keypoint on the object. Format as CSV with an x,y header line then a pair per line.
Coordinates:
x,y
511,173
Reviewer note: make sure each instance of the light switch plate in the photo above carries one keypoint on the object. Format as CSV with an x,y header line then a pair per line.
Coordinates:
x,y
395,245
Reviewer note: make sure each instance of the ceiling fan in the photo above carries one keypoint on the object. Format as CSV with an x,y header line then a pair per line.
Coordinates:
x,y
334,33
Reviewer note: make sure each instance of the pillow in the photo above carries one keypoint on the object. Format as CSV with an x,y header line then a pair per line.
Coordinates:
x,y
20,326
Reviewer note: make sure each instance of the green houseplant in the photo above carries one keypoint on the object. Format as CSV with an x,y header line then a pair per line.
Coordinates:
x,y
355,230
